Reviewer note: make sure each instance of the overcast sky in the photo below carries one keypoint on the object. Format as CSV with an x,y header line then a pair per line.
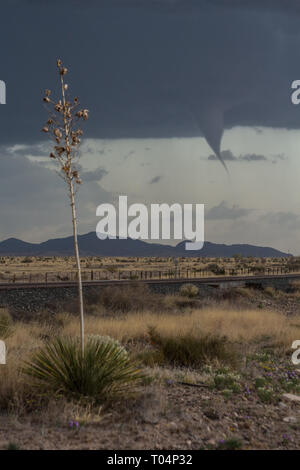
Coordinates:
x,y
170,85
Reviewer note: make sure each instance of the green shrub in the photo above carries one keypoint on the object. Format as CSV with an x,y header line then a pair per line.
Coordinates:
x,y
267,395
102,373
227,393
230,444
12,446
227,381
260,382
189,290
193,351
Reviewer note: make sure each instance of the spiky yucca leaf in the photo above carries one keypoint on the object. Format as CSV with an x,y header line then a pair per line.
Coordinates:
x,y
102,372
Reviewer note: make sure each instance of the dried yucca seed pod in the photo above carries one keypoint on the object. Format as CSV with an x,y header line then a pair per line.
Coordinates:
x,y
58,107
57,133
60,150
66,168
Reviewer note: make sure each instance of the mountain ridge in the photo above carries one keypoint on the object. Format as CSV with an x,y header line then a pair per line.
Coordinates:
x,y
91,245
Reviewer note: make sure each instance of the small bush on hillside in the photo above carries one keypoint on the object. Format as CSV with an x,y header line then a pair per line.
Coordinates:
x,y
27,260
245,292
189,290
230,444
227,381
270,291
193,351
122,299
267,395
102,373
216,269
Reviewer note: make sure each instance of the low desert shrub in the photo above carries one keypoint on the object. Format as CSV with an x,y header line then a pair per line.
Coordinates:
x,y
121,299
189,350
189,290
103,372
270,291
216,269
227,381
230,444
267,395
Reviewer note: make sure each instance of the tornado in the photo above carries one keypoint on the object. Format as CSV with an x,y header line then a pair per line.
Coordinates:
x,y
210,121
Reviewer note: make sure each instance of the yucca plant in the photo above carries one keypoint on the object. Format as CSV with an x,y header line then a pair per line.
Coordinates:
x,y
63,118
102,373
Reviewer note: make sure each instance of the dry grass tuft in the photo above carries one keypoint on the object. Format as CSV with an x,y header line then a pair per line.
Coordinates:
x,y
244,326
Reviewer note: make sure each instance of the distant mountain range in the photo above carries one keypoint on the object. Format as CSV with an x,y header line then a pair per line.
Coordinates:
x,y
90,245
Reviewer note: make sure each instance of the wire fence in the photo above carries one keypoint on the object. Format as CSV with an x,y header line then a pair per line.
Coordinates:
x,y
99,275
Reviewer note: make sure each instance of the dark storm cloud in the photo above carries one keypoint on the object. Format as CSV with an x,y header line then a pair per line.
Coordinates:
x,y
253,157
282,219
156,179
155,68
224,211
227,155
95,175
277,158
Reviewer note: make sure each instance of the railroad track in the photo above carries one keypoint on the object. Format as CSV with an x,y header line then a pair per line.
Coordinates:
x,y
215,281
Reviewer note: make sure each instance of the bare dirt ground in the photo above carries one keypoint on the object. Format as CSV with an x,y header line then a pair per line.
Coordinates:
x,y
169,417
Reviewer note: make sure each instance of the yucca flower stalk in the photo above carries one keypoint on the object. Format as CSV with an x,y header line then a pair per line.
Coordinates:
x,y
63,126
